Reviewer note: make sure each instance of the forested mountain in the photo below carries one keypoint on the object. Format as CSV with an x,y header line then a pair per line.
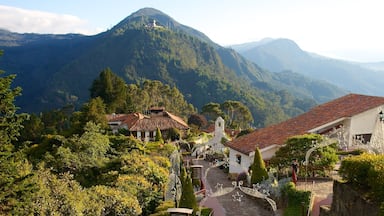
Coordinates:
x,y
55,70
279,55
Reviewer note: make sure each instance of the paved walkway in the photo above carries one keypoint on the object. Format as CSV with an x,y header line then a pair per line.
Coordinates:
x,y
225,205
322,191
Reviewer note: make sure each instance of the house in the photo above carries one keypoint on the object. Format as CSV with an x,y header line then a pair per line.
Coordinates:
x,y
357,115
144,127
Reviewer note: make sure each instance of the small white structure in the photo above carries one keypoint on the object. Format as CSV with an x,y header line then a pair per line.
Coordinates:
x,y
215,144
219,135
356,114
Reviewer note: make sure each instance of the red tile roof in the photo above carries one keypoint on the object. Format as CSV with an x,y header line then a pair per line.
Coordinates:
x,y
346,106
163,122
140,122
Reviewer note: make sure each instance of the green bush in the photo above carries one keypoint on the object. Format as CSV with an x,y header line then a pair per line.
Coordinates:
x,y
297,201
365,171
161,210
206,211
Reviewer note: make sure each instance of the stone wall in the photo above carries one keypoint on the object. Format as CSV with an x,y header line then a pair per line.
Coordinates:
x,y
349,202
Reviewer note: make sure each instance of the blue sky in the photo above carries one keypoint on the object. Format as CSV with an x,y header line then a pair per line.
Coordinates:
x,y
345,29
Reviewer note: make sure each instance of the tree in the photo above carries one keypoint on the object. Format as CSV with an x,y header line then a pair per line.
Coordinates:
x,y
237,115
112,89
155,93
159,137
32,129
259,172
58,194
187,199
82,156
212,111
198,120
94,111
296,147
10,122
15,172
112,201
173,134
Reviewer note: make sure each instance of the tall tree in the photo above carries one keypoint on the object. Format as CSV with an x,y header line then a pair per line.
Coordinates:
x,y
187,199
15,171
212,111
159,136
155,93
112,89
94,111
259,172
237,114
32,129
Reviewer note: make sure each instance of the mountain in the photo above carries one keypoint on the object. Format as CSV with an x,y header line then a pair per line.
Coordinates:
x,y
284,54
56,70
378,66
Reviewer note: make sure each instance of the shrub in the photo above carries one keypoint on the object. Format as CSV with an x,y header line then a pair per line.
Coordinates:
x,y
259,173
161,210
206,211
297,201
365,171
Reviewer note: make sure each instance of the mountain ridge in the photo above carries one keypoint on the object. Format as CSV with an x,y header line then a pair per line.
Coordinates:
x,y
60,72
281,55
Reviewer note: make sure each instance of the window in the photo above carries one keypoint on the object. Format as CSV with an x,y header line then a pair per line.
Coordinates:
x,y
238,159
362,138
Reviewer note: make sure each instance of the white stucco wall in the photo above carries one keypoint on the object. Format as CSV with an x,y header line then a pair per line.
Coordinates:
x,y
247,160
235,167
363,123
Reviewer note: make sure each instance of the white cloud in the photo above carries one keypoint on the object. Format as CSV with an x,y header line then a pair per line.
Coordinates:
x,y
28,21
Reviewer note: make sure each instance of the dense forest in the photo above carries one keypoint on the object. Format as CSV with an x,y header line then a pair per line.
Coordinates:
x,y
67,161
59,171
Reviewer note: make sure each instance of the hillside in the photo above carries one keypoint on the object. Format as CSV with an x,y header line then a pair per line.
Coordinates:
x,y
55,70
285,55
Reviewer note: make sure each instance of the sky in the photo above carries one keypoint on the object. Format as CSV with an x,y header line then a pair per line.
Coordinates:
x,y
343,29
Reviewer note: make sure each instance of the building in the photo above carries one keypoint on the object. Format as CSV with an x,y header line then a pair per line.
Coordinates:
x,y
216,143
144,127
357,115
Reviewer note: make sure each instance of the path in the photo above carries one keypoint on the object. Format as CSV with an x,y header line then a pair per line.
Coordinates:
x,y
225,205
322,191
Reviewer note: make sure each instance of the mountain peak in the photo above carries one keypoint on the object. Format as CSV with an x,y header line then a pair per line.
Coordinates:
x,y
148,11
147,16
283,43
144,17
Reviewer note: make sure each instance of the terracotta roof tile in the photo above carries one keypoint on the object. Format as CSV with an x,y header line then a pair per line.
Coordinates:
x,y
140,122
346,106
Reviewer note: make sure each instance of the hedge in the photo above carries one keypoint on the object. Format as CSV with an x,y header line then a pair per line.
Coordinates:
x,y
365,171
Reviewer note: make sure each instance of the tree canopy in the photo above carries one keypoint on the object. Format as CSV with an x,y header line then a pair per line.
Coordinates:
x,y
15,172
296,147
120,97
235,113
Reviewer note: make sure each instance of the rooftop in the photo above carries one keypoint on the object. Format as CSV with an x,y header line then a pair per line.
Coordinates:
x,y
343,107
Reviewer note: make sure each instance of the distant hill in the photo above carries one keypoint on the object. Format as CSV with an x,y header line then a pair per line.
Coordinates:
x,y
56,70
285,55
378,66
